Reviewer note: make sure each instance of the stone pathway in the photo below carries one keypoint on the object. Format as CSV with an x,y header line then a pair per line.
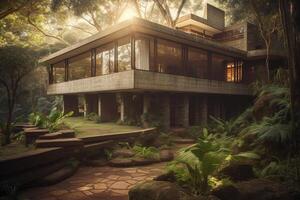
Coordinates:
x,y
91,183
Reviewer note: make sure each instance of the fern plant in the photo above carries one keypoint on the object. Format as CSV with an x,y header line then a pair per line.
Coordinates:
x,y
51,121
146,152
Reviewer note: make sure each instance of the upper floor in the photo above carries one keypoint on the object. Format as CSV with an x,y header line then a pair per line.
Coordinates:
x,y
142,45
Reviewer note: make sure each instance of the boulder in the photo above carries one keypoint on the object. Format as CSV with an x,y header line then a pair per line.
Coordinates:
x,y
169,176
238,171
262,189
166,155
158,190
121,162
125,153
144,161
255,189
226,192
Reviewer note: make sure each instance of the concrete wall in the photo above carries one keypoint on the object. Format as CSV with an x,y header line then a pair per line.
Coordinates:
x,y
146,80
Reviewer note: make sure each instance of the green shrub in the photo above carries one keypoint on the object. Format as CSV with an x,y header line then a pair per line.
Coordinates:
x,y
146,152
197,164
195,131
51,121
94,117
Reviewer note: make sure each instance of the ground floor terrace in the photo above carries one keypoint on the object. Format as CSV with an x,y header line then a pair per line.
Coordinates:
x,y
169,109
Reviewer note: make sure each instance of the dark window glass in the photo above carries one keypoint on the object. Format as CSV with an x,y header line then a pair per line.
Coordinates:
x,y
218,66
197,63
142,53
80,66
124,54
59,72
169,57
105,60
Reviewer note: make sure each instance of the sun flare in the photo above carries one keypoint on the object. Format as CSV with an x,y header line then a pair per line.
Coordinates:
x,y
128,13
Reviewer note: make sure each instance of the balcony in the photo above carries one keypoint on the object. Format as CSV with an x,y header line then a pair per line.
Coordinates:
x,y
139,80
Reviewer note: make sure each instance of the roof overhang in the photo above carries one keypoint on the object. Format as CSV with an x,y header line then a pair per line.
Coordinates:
x,y
141,26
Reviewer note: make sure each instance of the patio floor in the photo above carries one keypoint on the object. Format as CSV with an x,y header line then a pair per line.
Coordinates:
x,y
91,183
84,127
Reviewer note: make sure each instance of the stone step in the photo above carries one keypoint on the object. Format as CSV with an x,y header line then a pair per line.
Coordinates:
x,y
58,135
96,147
63,142
32,134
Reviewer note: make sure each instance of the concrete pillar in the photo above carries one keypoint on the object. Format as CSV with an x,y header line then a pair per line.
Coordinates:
x,y
107,107
185,111
124,106
197,110
203,109
146,103
217,108
165,105
90,104
70,103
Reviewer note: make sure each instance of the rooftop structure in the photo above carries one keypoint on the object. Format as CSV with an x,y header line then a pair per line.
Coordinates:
x,y
140,68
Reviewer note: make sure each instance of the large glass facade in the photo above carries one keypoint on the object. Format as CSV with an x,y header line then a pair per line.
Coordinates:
x,y
218,66
124,54
142,53
58,72
149,54
169,57
79,66
105,59
197,63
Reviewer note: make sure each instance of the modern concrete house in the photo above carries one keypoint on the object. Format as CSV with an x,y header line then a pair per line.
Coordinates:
x,y
182,75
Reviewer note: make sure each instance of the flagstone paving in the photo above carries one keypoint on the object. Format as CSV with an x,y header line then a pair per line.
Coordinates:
x,y
101,183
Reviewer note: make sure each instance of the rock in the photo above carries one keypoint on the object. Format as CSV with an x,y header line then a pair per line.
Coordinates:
x,y
169,176
179,140
255,189
226,192
144,161
166,155
58,175
158,190
262,189
121,162
126,153
96,163
238,171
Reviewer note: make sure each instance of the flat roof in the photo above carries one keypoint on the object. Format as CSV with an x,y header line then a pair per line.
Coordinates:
x,y
141,26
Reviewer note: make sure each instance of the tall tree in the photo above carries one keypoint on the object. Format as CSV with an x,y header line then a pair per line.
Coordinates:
x,y
290,16
16,63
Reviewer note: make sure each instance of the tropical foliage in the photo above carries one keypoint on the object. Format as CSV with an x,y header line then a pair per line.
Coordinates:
x,y
51,121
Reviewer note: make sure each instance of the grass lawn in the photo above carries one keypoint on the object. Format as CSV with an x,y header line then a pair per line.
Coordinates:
x,y
84,127
13,149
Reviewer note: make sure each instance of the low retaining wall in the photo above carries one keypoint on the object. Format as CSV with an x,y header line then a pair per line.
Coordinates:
x,y
29,166
119,136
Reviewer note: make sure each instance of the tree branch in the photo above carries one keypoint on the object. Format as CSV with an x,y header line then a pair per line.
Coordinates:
x,y
12,10
43,32
81,29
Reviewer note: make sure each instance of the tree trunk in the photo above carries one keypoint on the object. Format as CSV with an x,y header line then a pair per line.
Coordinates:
x,y
290,36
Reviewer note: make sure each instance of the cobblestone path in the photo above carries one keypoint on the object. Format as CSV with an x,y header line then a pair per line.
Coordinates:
x,y
91,183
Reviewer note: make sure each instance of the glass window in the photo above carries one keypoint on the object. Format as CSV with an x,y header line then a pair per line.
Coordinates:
x,y
197,63
234,72
59,72
218,66
169,57
124,54
80,66
105,57
142,53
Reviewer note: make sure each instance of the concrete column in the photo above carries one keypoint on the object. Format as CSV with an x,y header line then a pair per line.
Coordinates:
x,y
165,104
146,103
203,110
90,103
124,106
70,103
107,107
185,111
197,110
146,107
217,108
